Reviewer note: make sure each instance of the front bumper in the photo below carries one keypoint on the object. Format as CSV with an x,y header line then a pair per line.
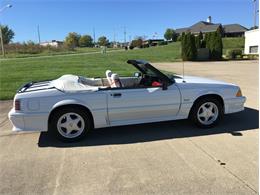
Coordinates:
x,y
28,122
234,104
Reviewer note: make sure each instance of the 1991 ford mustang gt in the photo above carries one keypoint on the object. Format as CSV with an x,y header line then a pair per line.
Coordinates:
x,y
72,105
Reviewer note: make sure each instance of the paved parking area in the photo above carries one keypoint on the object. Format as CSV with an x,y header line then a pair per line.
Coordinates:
x,y
161,158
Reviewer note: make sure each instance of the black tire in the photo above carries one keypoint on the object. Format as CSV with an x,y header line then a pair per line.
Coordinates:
x,y
198,121
85,124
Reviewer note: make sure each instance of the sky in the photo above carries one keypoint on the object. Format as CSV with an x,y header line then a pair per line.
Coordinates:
x,y
149,18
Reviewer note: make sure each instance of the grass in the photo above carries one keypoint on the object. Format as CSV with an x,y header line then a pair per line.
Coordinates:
x,y
52,53
233,43
15,72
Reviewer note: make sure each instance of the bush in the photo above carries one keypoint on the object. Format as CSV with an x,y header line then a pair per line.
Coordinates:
x,y
162,43
233,53
214,44
188,47
137,42
32,48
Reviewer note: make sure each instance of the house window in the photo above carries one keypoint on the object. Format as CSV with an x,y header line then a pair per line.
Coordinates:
x,y
253,49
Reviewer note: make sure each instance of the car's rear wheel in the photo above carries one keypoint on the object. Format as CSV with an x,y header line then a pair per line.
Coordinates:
x,y
70,124
206,112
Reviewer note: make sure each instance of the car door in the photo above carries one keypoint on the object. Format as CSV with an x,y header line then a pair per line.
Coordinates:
x,y
129,106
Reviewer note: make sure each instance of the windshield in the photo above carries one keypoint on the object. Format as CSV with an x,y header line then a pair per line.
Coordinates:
x,y
147,69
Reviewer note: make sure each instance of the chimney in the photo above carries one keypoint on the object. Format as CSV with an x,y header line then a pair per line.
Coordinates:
x,y
209,19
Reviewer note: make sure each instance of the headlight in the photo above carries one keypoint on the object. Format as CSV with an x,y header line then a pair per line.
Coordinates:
x,y
239,93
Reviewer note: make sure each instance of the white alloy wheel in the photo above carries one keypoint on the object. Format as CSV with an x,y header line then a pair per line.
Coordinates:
x,y
207,113
70,125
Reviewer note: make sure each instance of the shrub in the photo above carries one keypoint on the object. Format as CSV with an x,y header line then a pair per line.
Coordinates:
x,y
137,42
162,43
233,53
189,51
179,38
214,44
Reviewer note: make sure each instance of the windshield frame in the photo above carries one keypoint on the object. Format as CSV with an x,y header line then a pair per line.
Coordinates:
x,y
145,67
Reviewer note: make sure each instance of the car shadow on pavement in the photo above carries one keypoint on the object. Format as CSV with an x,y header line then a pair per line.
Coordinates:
x,y
233,124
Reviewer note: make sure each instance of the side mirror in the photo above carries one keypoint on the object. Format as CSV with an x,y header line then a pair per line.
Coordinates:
x,y
164,86
137,74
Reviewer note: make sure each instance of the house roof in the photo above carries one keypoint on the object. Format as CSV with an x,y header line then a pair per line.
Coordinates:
x,y
211,27
231,28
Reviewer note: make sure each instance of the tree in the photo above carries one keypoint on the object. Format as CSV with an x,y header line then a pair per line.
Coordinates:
x,y
200,36
199,40
137,42
189,51
103,41
217,46
85,41
7,33
214,44
72,40
170,34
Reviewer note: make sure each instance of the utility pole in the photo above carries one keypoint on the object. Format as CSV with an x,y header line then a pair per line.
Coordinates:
x,y
254,2
114,34
255,13
130,38
39,36
2,42
124,35
1,33
94,35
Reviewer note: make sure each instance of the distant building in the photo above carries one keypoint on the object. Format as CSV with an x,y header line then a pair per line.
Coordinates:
x,y
252,42
52,43
229,30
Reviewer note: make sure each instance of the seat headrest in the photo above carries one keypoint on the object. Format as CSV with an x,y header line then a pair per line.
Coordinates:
x,y
109,73
114,76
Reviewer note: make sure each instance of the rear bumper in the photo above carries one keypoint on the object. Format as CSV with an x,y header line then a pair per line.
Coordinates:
x,y
234,104
28,122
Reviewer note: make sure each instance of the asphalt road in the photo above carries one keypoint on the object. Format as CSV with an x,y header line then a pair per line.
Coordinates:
x,y
161,158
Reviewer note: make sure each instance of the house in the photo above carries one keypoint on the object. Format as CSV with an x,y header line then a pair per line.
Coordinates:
x,y
52,43
252,41
229,30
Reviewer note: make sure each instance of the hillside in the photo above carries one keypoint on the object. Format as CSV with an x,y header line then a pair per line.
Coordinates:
x,y
15,72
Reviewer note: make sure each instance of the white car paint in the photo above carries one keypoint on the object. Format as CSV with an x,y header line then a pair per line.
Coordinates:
x,y
134,106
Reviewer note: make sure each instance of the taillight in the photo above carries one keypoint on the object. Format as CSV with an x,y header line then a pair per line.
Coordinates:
x,y
239,93
17,105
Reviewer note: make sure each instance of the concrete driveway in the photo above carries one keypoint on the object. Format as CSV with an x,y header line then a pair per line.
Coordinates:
x,y
161,158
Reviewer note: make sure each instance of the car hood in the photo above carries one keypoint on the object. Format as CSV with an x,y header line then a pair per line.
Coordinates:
x,y
199,80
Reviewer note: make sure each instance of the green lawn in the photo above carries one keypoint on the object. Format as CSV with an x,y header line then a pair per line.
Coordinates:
x,y
15,72
52,53
233,43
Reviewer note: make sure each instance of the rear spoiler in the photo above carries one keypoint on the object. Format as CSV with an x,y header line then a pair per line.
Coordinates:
x,y
35,86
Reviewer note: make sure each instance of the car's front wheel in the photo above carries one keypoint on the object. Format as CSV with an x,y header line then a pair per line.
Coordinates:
x,y
70,124
206,112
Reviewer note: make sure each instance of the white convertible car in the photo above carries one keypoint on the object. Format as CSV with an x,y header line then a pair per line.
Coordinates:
x,y
72,105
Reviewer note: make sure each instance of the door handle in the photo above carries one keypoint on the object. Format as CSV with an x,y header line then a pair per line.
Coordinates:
x,y
116,94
